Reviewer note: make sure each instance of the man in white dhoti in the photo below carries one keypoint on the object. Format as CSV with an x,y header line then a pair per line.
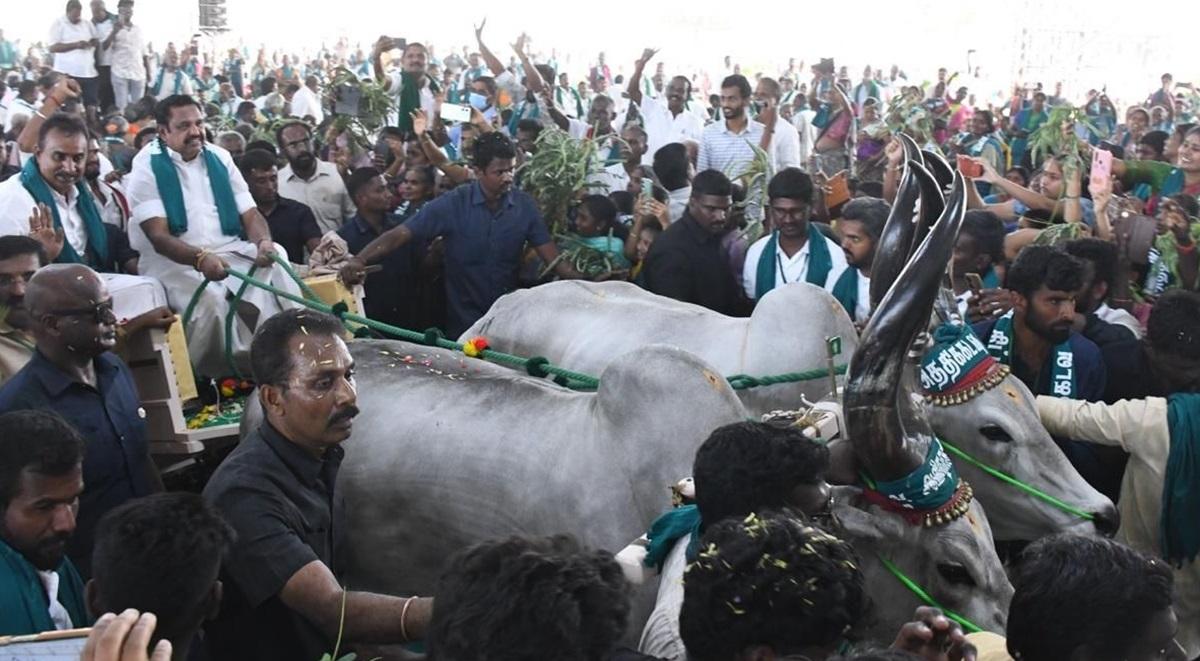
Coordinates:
x,y
193,219
50,201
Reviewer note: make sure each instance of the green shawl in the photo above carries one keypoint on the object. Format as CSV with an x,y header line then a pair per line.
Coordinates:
x,y
410,97
819,262
97,235
1179,526
166,177
23,603
845,290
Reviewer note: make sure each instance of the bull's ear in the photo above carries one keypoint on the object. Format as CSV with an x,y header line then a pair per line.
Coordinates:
x,y
859,521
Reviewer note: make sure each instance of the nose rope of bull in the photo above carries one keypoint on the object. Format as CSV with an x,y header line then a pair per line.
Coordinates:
x,y
967,625
1029,489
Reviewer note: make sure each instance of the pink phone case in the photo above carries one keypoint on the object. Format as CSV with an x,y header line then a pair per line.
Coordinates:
x,y
1101,167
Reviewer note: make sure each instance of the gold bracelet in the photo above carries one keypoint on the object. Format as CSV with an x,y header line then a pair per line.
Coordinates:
x,y
403,616
200,257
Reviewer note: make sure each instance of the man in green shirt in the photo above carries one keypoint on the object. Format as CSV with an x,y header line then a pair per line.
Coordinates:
x,y
41,477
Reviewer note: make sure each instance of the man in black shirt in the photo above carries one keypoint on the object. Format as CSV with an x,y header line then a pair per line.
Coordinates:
x,y
292,223
283,583
686,262
1147,367
1099,260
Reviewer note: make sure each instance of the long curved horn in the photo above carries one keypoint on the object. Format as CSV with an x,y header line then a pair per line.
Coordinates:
x,y
939,167
871,402
932,206
893,248
912,152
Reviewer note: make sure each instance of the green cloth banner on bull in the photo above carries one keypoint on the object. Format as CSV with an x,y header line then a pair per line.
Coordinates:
x,y
819,262
166,178
1062,370
928,488
669,528
97,235
1179,526
958,367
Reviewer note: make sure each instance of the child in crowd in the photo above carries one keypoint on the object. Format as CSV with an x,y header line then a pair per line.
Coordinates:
x,y
595,222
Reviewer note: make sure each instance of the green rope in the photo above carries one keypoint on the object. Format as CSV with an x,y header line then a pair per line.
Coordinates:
x,y
230,316
287,268
967,625
1031,490
744,381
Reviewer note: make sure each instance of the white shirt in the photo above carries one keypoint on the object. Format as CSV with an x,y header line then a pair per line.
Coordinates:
x,y
663,128
785,146
800,121
726,151
1120,317
304,103
863,309
677,201
791,269
81,62
204,224
126,53
612,178
325,194
58,612
395,83
16,204
103,29
19,108
168,86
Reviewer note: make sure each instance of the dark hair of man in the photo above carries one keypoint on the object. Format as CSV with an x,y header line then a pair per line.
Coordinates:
x,y
1187,203
1102,254
1036,266
872,212
428,173
1172,327
312,81
1122,588
530,125
488,82
143,136
16,245
546,72
262,145
653,225
35,440
624,201
711,182
47,81
25,87
270,356
1021,171
792,184
771,87
162,109
753,466
256,159
769,580
68,125
636,128
160,554
359,178
523,598
601,209
244,106
688,94
492,146
267,85
739,81
1182,130
1156,140
671,165
291,88
287,125
987,230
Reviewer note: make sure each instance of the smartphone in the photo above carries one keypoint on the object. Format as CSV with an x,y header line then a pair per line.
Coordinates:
x,y
1101,167
399,43
968,167
647,187
347,100
974,283
454,112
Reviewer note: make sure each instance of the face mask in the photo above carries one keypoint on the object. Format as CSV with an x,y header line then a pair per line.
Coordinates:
x,y
478,101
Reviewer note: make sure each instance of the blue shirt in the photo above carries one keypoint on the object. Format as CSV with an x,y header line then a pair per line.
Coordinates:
x,y
391,295
483,248
116,463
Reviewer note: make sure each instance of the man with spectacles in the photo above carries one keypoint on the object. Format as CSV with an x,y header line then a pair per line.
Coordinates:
x,y
74,373
795,251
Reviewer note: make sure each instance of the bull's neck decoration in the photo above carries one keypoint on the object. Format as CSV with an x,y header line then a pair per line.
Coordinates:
x,y
1062,371
931,495
958,367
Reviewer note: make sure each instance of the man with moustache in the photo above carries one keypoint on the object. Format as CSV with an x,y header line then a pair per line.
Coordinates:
x,y
74,373
41,479
20,258
665,123
283,579
313,182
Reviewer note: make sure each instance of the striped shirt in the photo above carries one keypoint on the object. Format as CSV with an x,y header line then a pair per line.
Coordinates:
x,y
726,151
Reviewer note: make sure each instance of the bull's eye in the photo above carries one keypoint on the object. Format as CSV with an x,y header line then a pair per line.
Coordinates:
x,y
995,433
956,574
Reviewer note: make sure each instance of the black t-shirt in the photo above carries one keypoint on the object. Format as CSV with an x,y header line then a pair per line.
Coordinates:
x,y
1130,375
281,502
686,263
292,225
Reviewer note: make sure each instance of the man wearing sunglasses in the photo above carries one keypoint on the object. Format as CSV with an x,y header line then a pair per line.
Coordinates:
x,y
74,373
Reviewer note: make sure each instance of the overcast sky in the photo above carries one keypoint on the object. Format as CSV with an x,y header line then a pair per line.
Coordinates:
x,y
1087,44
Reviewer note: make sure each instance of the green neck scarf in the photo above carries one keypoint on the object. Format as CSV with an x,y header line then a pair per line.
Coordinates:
x,y
669,528
770,264
23,601
97,235
1179,525
157,86
845,290
1179,528
1062,371
166,177
410,97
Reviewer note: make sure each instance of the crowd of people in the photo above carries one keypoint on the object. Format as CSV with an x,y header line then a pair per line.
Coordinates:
x,y
134,181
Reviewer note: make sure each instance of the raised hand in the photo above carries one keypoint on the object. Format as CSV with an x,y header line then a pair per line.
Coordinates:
x,y
479,30
41,227
519,47
647,55
419,122
65,89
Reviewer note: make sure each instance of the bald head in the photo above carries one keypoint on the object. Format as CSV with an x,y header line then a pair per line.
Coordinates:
x,y
63,287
